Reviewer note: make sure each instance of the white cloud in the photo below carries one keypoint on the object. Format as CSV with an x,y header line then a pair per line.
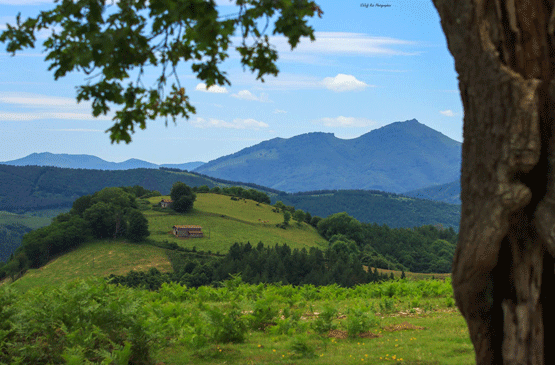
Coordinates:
x,y
213,89
346,122
347,44
17,117
36,100
247,95
447,113
40,107
279,111
342,82
236,124
75,130
287,81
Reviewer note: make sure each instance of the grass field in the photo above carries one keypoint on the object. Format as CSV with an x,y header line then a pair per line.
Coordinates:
x,y
100,258
225,221
404,328
434,338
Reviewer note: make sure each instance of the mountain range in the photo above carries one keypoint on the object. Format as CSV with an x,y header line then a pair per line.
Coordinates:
x,y
90,162
399,157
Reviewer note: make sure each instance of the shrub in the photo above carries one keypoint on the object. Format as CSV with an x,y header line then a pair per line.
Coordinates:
x,y
83,321
359,321
301,347
324,323
227,326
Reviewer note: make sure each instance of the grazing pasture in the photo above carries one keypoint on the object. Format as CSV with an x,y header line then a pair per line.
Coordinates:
x,y
225,221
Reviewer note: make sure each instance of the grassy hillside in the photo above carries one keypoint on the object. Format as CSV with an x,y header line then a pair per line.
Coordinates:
x,y
99,258
225,221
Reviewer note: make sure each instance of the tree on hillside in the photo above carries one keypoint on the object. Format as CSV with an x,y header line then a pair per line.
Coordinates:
x,y
298,216
183,197
286,217
503,268
138,226
114,42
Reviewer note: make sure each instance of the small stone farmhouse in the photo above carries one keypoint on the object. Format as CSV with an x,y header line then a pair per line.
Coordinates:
x,y
188,231
165,203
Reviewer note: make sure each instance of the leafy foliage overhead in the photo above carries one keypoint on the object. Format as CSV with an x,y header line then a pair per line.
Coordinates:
x,y
114,44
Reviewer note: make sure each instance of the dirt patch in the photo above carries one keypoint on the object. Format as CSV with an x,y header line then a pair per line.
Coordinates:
x,y
338,334
403,326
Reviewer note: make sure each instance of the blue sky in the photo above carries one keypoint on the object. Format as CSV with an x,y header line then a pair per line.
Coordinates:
x,y
370,66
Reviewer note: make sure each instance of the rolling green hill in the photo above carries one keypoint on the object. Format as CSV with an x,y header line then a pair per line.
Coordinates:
x,y
239,223
226,221
99,259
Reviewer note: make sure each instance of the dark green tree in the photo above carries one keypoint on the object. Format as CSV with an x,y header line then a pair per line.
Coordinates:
x,y
101,217
138,226
183,197
298,216
81,204
341,223
286,217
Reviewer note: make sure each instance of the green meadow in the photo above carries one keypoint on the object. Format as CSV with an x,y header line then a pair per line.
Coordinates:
x,y
95,259
88,321
69,310
225,221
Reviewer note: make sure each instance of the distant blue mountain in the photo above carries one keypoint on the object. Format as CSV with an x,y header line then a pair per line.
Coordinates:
x,y
398,157
91,162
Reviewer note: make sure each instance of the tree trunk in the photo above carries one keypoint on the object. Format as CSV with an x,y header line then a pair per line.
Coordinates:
x,y
503,269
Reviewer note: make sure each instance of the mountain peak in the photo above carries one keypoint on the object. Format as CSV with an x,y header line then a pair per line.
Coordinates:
x,y
395,158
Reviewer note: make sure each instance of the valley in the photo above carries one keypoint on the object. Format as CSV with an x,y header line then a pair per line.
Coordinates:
x,y
333,284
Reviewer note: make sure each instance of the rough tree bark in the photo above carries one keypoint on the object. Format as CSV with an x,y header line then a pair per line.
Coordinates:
x,y
503,267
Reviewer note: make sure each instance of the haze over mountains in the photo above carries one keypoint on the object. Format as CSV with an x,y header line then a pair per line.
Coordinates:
x,y
399,157
91,162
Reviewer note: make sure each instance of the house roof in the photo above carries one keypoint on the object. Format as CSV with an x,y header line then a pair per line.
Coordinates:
x,y
187,227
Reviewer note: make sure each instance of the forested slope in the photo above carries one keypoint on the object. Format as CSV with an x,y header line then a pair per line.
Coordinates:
x,y
372,206
24,188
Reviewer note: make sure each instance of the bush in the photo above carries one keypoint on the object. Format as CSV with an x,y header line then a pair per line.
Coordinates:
x,y
227,326
324,323
301,347
81,322
359,321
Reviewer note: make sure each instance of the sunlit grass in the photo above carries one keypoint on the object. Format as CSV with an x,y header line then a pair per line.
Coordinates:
x,y
100,259
225,221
